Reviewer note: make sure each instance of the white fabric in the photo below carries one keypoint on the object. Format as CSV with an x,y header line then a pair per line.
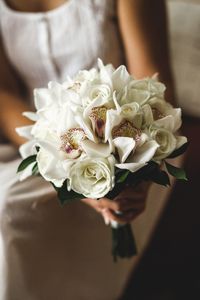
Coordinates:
x,y
49,252
50,46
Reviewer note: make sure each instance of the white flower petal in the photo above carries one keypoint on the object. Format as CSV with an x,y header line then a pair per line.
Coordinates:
x,y
85,125
25,131
120,78
27,149
132,167
146,152
147,115
91,177
51,148
30,115
42,98
166,123
105,73
176,113
180,141
112,119
95,150
125,146
51,168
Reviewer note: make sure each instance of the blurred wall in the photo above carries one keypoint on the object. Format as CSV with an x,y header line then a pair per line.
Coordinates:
x,y
184,24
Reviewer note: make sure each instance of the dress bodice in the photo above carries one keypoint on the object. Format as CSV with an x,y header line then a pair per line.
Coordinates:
x,y
52,45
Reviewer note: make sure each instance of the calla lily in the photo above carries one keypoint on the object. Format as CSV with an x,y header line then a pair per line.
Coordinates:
x,y
140,157
125,146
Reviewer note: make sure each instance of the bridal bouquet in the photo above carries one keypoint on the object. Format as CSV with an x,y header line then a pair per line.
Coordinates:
x,y
99,132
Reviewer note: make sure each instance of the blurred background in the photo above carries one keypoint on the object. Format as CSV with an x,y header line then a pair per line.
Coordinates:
x,y
170,267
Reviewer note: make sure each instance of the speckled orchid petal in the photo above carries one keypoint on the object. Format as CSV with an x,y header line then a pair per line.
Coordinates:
x,y
98,120
71,142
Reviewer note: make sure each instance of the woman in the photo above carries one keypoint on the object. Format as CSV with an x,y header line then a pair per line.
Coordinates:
x,y
50,251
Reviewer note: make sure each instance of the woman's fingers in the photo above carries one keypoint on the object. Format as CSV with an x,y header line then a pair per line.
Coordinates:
x,y
123,218
93,203
130,203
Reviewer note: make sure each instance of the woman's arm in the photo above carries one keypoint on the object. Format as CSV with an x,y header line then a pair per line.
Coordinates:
x,y
11,103
143,26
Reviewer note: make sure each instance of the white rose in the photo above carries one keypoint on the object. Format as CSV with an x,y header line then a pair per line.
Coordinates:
x,y
92,178
87,75
97,91
166,141
132,113
142,90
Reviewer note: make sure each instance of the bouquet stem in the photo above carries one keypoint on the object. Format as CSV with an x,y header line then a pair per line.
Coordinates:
x,y
123,242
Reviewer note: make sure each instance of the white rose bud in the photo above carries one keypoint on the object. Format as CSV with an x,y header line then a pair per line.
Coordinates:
x,y
92,178
166,141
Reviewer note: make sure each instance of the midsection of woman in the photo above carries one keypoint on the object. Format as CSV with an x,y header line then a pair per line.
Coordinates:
x,y
45,248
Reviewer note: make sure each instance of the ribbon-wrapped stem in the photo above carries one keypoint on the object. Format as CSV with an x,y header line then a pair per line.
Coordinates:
x,y
123,242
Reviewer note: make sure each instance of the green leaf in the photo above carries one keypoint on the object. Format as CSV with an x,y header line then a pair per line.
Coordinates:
x,y
179,151
160,177
35,169
65,196
26,162
178,173
132,179
123,176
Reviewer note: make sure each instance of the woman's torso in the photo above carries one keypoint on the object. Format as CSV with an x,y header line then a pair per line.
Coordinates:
x,y
51,45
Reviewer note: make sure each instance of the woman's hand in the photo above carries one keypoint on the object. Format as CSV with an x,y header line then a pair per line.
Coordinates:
x,y
130,203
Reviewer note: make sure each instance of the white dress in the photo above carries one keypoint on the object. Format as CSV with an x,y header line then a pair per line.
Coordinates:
x,y
49,252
